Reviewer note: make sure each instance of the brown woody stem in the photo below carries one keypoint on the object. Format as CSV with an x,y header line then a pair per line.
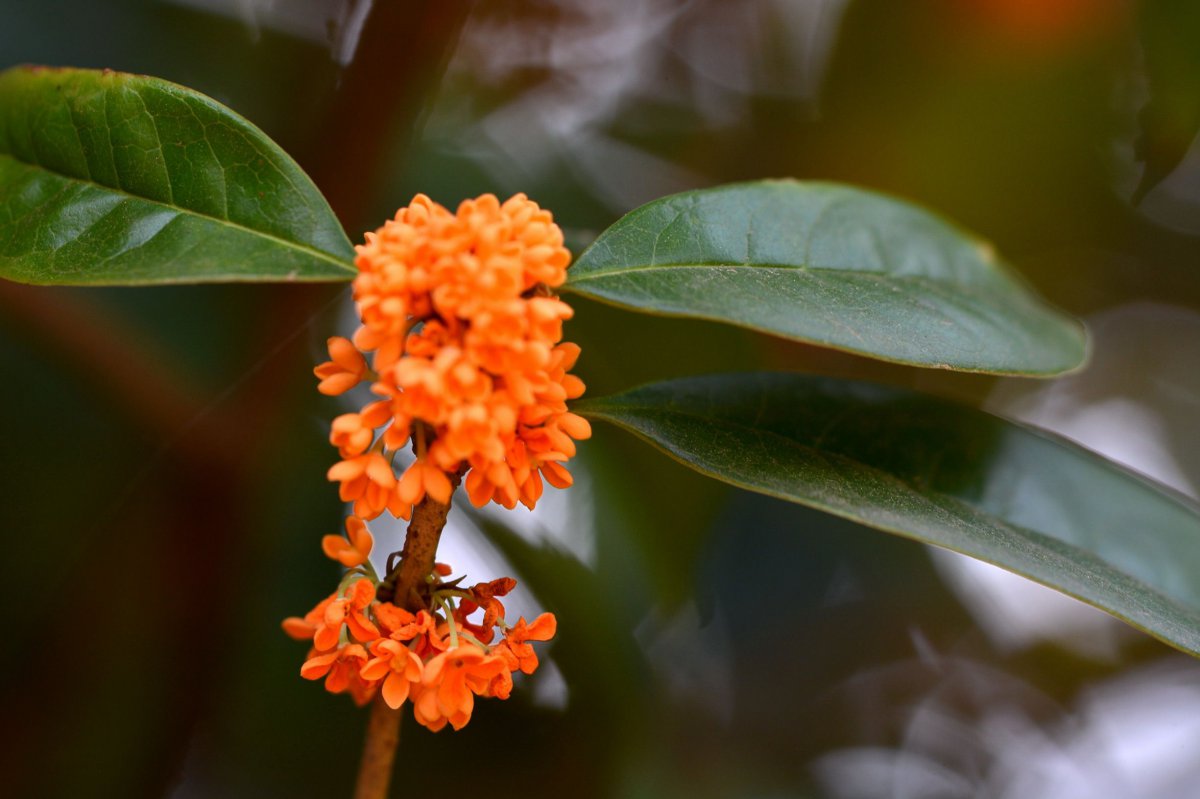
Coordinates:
x,y
420,551
379,751
416,564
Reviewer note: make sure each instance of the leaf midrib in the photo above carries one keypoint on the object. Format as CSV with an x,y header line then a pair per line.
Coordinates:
x,y
881,274
304,248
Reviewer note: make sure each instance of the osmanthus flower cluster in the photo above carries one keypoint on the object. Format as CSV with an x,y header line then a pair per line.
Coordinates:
x,y
437,659
464,334
461,343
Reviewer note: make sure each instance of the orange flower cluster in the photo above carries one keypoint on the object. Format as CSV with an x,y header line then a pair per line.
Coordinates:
x,y
436,658
464,337
464,334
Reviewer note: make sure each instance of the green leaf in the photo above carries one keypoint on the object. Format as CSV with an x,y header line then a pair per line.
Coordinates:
x,y
830,265
939,473
115,179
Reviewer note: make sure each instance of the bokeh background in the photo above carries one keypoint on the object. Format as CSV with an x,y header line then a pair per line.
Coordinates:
x,y
162,451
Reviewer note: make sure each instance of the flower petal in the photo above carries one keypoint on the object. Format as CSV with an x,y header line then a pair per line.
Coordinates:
x,y
395,690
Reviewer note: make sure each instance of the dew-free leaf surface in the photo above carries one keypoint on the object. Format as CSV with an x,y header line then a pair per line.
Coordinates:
x,y
115,179
940,473
831,265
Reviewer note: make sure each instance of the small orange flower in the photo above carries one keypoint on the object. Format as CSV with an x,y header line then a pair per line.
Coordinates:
x,y
393,621
349,611
400,625
423,478
484,595
341,669
345,371
353,433
516,640
354,549
449,683
367,480
556,475
303,629
435,640
397,666
421,629
487,482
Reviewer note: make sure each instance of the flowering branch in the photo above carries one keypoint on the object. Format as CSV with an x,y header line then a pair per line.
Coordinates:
x,y
462,341
416,562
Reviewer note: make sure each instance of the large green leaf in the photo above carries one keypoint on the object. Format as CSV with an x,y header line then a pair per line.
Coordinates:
x,y
830,265
939,473
108,178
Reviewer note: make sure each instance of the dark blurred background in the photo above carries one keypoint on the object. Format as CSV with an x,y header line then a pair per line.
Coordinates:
x,y
163,450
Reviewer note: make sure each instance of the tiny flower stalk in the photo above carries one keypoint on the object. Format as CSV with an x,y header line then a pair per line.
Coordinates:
x,y
461,346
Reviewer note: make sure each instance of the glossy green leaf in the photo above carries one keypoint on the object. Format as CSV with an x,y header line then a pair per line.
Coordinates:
x,y
939,473
108,178
834,266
